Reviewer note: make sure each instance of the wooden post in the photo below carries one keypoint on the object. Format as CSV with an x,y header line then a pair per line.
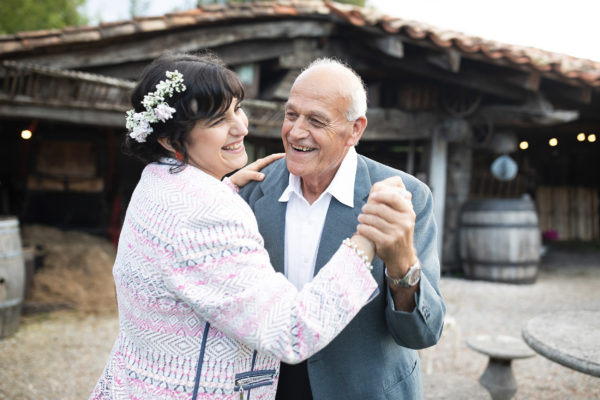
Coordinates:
x,y
437,183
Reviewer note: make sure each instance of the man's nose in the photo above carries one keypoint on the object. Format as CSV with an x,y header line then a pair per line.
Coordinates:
x,y
298,128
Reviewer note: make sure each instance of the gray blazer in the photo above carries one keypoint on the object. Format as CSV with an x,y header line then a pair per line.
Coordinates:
x,y
375,356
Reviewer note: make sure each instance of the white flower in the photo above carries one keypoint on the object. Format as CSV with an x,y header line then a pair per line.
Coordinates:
x,y
163,112
141,131
157,109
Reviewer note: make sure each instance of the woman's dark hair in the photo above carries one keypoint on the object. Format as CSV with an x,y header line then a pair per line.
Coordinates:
x,y
210,90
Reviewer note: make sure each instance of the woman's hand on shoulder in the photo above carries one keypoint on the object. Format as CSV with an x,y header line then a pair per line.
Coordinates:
x,y
251,172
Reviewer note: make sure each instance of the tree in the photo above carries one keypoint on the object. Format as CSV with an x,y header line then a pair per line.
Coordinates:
x,y
27,15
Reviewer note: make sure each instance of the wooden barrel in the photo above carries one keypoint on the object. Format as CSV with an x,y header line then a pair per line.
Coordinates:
x,y
12,276
500,240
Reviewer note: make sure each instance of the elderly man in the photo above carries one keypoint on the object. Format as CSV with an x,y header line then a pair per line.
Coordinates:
x,y
310,201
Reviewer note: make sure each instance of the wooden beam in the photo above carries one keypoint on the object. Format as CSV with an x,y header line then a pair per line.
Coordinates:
x,y
394,124
521,76
390,45
149,47
266,118
577,94
114,119
304,51
231,54
468,78
529,80
448,60
536,111
130,71
252,51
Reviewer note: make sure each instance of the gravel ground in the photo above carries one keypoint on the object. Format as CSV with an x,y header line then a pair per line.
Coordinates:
x,y
60,355
566,281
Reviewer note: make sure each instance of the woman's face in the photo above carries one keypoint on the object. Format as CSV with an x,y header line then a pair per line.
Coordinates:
x,y
217,146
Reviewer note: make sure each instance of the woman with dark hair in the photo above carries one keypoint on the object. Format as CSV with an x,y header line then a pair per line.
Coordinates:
x,y
202,314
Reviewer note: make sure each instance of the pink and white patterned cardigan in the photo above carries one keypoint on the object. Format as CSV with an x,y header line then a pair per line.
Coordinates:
x,y
202,314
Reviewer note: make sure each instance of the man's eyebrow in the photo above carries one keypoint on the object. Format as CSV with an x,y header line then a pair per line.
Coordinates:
x,y
312,114
319,115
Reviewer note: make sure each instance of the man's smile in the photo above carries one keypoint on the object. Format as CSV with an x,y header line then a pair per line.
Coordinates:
x,y
303,149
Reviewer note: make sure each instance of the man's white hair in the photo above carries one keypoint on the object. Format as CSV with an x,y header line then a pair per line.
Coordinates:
x,y
356,87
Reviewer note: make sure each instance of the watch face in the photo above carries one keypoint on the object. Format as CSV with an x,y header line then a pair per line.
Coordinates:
x,y
414,275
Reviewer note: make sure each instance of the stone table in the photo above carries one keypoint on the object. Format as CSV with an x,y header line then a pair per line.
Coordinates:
x,y
570,338
498,377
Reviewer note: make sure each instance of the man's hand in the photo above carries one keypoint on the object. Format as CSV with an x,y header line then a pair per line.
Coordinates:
x,y
251,172
388,219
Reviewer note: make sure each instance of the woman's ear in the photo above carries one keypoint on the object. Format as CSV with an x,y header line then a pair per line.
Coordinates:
x,y
164,142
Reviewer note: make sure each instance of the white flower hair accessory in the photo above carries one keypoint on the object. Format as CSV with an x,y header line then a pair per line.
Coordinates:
x,y
157,109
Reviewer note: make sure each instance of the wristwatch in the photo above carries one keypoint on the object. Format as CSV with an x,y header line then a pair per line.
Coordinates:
x,y
412,277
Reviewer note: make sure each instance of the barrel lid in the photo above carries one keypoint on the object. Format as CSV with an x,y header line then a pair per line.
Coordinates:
x,y
8,221
520,204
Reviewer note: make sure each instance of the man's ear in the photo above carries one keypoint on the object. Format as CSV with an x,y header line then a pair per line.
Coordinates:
x,y
358,127
164,142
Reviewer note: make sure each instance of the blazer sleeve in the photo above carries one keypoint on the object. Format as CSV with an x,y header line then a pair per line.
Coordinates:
x,y
222,270
423,326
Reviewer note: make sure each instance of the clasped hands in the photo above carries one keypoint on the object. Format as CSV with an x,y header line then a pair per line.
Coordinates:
x,y
388,220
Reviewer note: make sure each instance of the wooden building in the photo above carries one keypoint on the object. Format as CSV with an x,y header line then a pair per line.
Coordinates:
x,y
442,106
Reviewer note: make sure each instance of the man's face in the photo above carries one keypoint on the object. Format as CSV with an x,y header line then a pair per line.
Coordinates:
x,y
316,134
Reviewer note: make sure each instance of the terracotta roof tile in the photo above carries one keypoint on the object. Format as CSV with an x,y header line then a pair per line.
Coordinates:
x,y
152,24
284,10
121,29
562,65
80,35
212,16
46,32
42,41
10,46
440,40
174,20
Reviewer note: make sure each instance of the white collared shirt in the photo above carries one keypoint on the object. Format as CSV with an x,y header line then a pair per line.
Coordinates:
x,y
304,222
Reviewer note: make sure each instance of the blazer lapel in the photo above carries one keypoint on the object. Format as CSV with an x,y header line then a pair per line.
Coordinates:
x,y
270,215
341,220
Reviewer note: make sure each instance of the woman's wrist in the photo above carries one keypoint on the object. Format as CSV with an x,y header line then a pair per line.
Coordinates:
x,y
363,247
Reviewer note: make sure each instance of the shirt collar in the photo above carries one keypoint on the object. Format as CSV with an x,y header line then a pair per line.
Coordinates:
x,y
341,187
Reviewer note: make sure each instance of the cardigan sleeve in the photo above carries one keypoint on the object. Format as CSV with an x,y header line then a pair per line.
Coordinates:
x,y
222,270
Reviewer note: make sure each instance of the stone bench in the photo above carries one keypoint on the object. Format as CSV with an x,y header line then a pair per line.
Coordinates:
x,y
498,377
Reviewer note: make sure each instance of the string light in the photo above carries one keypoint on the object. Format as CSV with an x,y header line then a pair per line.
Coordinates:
x,y
553,142
524,145
581,137
591,138
26,134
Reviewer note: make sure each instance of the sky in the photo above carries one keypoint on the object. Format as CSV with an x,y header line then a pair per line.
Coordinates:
x,y
562,26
